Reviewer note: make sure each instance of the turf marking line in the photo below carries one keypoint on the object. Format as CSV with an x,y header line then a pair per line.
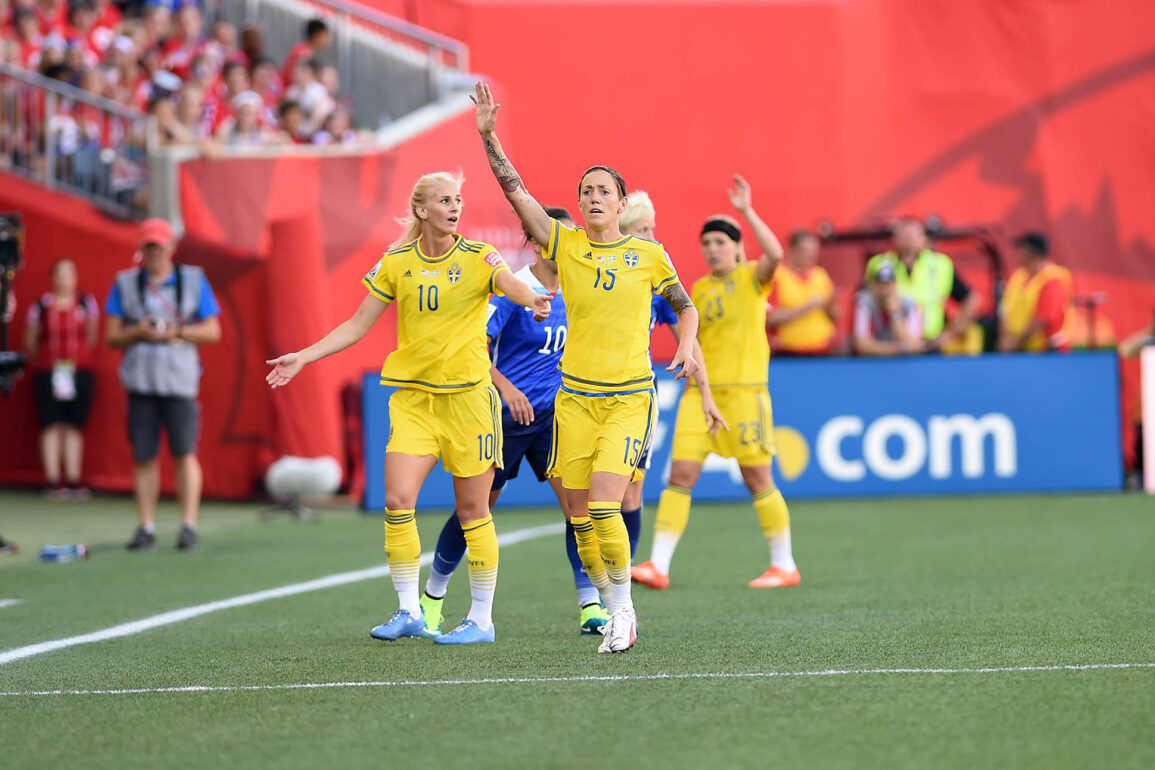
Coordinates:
x,y
610,678
187,613
10,602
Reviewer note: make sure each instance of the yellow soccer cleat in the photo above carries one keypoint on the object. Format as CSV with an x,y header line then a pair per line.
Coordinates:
x,y
776,578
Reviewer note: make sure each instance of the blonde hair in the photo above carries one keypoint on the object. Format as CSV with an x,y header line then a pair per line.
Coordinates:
x,y
639,206
422,192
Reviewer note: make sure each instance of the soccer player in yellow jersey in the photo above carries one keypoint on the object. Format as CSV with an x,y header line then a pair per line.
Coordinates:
x,y
605,410
731,300
446,407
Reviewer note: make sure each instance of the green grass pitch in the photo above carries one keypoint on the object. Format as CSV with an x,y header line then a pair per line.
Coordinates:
x,y
965,583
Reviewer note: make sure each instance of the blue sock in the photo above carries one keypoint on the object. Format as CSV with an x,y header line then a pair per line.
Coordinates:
x,y
633,520
450,550
587,592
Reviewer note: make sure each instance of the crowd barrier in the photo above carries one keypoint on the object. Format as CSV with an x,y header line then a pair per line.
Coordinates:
x,y
865,428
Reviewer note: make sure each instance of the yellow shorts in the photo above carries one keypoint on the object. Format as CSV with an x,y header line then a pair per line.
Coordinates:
x,y
463,429
750,439
600,434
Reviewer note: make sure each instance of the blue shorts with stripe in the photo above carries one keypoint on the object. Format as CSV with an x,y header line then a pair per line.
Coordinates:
x,y
533,442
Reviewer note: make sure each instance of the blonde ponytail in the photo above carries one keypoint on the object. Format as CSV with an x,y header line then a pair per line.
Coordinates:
x,y
422,192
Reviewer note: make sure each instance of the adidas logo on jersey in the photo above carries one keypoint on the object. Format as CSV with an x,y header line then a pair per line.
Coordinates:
x,y
408,274
588,255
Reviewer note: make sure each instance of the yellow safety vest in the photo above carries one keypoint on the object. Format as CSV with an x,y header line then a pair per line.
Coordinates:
x,y
928,283
1021,298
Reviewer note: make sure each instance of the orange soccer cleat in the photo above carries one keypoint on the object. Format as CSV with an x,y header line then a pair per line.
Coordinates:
x,y
647,574
776,578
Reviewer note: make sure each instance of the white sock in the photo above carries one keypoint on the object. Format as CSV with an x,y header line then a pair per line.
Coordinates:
x,y
623,598
662,551
781,554
438,584
589,595
482,586
149,528
406,581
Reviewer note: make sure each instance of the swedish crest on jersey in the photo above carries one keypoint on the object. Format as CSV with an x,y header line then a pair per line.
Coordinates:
x,y
454,273
630,258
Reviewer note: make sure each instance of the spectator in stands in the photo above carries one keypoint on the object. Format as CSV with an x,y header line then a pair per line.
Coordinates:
x,y
191,113
53,16
886,323
266,81
224,42
179,50
159,313
60,338
292,119
252,45
169,130
82,31
337,128
1131,347
803,312
244,128
156,21
28,36
52,50
317,39
930,279
308,91
1036,307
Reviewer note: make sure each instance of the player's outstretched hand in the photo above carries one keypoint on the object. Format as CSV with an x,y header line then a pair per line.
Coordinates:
x,y
519,407
714,419
689,365
740,197
485,109
285,368
541,307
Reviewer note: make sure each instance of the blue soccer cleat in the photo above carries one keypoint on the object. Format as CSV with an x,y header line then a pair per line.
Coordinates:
x,y
401,624
467,633
593,620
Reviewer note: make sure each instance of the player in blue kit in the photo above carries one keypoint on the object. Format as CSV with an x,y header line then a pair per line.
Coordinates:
x,y
525,371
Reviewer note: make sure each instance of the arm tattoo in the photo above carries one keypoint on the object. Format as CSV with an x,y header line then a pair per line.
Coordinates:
x,y
675,294
502,168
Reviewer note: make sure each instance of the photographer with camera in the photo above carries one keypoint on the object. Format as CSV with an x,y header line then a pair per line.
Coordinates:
x,y
60,337
159,313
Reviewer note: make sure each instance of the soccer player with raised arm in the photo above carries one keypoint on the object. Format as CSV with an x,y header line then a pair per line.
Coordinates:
x,y
525,370
731,300
605,410
446,407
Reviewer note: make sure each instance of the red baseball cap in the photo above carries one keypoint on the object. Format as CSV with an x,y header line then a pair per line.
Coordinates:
x,y
156,230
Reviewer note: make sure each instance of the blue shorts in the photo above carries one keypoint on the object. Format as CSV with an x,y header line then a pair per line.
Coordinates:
x,y
533,442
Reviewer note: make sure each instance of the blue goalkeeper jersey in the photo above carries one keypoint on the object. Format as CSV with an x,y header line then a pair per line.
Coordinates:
x,y
526,351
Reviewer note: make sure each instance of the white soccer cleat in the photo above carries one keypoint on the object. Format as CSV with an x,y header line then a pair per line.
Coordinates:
x,y
621,631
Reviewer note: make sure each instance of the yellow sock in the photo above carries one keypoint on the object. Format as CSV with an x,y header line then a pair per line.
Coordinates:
x,y
590,554
403,552
481,540
613,540
775,520
673,515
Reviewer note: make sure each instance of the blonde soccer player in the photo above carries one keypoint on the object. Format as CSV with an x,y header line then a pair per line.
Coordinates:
x,y
605,410
640,219
731,300
446,406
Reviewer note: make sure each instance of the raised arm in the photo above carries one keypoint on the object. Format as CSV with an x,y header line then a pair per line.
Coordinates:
x,y
288,366
529,211
741,199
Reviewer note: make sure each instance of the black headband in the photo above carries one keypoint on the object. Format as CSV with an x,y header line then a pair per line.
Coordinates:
x,y
722,226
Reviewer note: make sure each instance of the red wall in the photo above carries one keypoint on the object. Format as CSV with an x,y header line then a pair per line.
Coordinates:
x,y
284,243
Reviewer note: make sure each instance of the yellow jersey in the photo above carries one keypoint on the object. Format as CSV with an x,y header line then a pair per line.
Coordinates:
x,y
442,307
812,332
608,290
732,327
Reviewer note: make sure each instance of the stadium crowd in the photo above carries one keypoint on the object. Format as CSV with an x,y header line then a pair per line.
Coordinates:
x,y
207,84
914,300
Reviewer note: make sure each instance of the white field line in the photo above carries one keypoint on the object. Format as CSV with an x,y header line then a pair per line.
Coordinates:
x,y
178,616
10,602
581,679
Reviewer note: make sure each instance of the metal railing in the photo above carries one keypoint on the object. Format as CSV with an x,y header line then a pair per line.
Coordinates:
x,y
71,140
389,66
